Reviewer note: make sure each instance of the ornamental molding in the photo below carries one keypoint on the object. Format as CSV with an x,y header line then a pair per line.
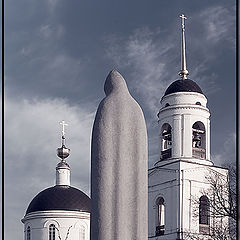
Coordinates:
x,y
56,214
177,94
182,107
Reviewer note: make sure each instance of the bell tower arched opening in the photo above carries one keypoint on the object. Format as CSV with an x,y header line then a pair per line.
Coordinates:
x,y
199,140
166,136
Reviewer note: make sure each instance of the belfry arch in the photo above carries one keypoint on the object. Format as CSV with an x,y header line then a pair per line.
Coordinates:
x,y
199,140
166,141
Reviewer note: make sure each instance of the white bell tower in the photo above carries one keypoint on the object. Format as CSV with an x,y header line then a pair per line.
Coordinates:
x,y
184,125
179,175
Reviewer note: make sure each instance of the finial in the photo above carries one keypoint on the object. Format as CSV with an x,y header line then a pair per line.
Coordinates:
x,y
183,72
63,152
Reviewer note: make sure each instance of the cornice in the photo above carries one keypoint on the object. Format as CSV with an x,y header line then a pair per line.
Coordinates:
x,y
183,107
56,214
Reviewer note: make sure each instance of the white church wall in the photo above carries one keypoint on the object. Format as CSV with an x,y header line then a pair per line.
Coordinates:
x,y
194,185
164,183
181,191
64,221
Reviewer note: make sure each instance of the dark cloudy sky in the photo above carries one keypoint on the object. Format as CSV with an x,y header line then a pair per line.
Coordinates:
x,y
57,56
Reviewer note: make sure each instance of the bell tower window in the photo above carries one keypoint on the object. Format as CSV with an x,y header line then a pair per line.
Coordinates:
x,y
166,134
160,224
198,140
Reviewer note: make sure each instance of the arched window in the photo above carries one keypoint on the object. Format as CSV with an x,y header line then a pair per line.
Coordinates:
x,y
52,232
160,223
166,135
28,233
204,214
82,232
198,140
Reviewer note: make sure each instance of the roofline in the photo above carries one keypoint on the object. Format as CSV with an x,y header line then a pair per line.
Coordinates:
x,y
157,167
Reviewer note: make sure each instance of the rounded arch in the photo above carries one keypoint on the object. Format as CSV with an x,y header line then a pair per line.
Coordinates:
x,y
82,229
199,140
80,222
160,200
27,224
199,126
47,223
166,140
166,127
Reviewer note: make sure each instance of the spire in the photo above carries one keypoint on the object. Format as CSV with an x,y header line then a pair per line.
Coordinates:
x,y
183,72
63,169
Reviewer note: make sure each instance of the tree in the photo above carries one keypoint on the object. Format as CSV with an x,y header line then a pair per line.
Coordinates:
x,y
59,236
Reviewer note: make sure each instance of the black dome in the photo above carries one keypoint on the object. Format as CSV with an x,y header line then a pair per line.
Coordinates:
x,y
60,198
185,85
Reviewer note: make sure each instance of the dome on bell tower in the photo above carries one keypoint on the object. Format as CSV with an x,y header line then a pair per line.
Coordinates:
x,y
185,85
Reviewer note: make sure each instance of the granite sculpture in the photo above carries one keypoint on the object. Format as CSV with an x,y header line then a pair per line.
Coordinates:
x,y
119,166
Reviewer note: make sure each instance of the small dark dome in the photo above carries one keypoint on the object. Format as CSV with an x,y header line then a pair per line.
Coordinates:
x,y
185,85
60,198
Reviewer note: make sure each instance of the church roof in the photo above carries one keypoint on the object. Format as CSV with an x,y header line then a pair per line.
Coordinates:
x,y
60,198
185,85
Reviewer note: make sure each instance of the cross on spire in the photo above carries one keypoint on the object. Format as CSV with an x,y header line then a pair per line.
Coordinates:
x,y
183,17
63,127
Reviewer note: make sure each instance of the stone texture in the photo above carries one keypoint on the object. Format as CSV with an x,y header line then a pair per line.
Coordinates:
x,y
118,166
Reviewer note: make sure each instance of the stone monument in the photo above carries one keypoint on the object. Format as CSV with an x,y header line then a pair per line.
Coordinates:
x,y
119,166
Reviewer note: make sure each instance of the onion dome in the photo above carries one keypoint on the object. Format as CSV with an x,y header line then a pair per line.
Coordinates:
x,y
60,198
185,85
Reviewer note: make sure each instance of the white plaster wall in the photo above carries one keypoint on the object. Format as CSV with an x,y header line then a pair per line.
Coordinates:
x,y
193,185
164,182
181,190
62,176
39,223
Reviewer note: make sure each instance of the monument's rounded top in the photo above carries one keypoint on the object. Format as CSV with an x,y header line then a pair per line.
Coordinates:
x,y
114,82
185,85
